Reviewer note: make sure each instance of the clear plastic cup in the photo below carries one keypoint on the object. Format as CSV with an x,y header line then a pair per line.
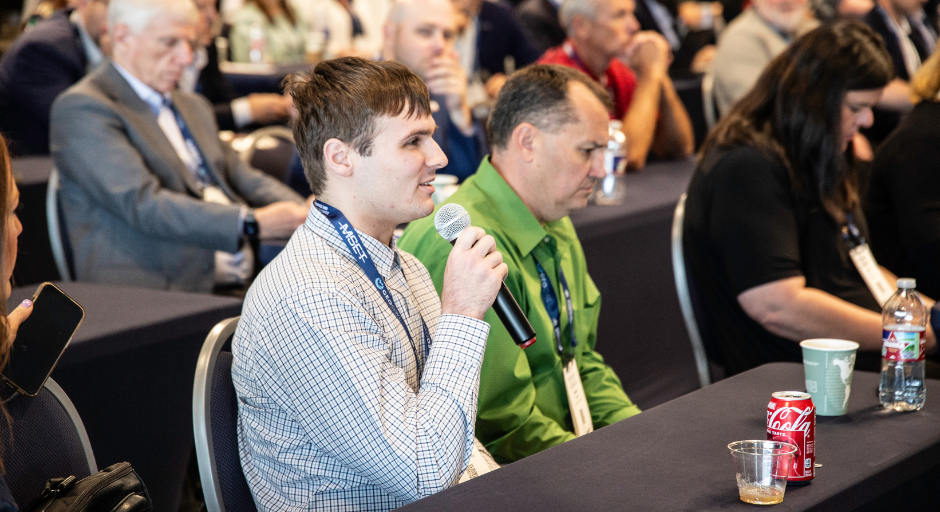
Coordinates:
x,y
761,468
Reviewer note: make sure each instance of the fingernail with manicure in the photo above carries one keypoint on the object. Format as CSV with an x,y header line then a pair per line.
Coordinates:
x,y
27,303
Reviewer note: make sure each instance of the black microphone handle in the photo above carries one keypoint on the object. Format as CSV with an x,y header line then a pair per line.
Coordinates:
x,y
509,312
511,315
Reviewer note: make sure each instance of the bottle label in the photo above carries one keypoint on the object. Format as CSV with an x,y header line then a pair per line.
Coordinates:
x,y
903,346
614,162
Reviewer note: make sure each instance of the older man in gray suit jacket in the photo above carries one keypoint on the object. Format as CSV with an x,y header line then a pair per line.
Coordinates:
x,y
751,41
150,195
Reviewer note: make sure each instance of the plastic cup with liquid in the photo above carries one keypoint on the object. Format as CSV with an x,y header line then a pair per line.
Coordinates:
x,y
761,469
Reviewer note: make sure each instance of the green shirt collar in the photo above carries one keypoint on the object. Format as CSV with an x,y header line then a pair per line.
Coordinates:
x,y
508,208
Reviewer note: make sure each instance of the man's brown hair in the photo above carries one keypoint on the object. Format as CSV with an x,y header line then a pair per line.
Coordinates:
x,y
538,94
343,99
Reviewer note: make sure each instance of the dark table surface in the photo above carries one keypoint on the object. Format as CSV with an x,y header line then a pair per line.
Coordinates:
x,y
129,371
628,256
674,457
122,319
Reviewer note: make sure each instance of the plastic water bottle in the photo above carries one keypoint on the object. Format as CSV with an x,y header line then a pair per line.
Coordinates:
x,y
611,189
902,352
256,44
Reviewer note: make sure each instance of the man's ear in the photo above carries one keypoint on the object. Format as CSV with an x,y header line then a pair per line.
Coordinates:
x,y
527,140
338,157
580,24
119,34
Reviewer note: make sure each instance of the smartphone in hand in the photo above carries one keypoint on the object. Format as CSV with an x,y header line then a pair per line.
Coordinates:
x,y
41,339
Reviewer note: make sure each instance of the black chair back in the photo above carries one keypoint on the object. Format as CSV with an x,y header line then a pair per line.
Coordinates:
x,y
47,440
224,406
215,416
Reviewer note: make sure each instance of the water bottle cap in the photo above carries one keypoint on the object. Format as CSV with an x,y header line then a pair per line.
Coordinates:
x,y
907,282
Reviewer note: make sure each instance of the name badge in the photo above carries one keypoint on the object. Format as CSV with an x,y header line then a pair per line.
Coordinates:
x,y
874,278
577,402
481,462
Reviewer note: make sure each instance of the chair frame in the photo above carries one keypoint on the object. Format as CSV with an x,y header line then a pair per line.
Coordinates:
x,y
63,399
202,403
709,106
685,299
55,228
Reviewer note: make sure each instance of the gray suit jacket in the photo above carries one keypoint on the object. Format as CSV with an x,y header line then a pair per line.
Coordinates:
x,y
745,48
133,211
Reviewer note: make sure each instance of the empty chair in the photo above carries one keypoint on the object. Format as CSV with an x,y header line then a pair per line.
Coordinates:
x,y
215,413
47,440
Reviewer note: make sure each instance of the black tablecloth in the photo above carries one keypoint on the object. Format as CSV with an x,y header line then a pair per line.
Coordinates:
x,y
640,333
129,370
674,457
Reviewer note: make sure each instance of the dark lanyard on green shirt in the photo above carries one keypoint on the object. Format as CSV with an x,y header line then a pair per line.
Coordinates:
x,y
358,250
551,306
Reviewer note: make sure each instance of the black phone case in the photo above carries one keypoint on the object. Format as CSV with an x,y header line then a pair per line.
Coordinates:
x,y
37,297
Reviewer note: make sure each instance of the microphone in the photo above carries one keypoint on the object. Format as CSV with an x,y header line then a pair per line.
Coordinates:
x,y
450,221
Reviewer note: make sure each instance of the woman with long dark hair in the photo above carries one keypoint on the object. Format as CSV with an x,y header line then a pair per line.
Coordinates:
x,y
10,228
773,208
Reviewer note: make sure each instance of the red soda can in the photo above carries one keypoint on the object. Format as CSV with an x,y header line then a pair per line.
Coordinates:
x,y
791,418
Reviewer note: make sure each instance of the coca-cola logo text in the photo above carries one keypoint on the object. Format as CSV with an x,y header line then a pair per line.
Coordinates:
x,y
778,419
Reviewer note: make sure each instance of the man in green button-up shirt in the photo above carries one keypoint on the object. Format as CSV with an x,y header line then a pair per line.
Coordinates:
x,y
548,132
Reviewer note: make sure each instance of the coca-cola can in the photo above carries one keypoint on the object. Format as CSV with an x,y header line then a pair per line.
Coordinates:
x,y
791,418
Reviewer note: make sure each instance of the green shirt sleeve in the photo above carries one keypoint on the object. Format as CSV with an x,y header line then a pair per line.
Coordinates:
x,y
606,398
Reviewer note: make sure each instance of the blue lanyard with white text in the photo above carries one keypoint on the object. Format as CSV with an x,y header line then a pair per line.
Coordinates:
x,y
348,233
551,305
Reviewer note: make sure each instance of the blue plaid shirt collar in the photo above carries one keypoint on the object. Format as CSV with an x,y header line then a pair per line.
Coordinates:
x,y
386,259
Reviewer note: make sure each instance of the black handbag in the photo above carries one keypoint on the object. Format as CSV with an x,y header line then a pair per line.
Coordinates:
x,y
116,488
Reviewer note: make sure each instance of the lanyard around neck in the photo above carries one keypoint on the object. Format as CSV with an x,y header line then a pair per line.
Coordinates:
x,y
348,233
551,306
850,232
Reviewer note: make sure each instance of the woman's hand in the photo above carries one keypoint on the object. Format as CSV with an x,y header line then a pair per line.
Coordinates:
x,y
14,319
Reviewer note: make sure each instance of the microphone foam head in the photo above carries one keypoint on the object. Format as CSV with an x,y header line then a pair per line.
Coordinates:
x,y
451,220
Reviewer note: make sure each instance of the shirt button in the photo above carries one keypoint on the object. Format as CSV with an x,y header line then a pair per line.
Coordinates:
x,y
545,239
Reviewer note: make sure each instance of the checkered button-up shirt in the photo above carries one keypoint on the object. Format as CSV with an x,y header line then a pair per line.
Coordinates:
x,y
332,412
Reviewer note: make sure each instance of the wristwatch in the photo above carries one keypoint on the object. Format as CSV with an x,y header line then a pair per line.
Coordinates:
x,y
250,226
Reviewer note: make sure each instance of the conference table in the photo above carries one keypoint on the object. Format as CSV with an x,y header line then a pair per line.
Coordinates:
x,y
675,457
129,371
641,333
